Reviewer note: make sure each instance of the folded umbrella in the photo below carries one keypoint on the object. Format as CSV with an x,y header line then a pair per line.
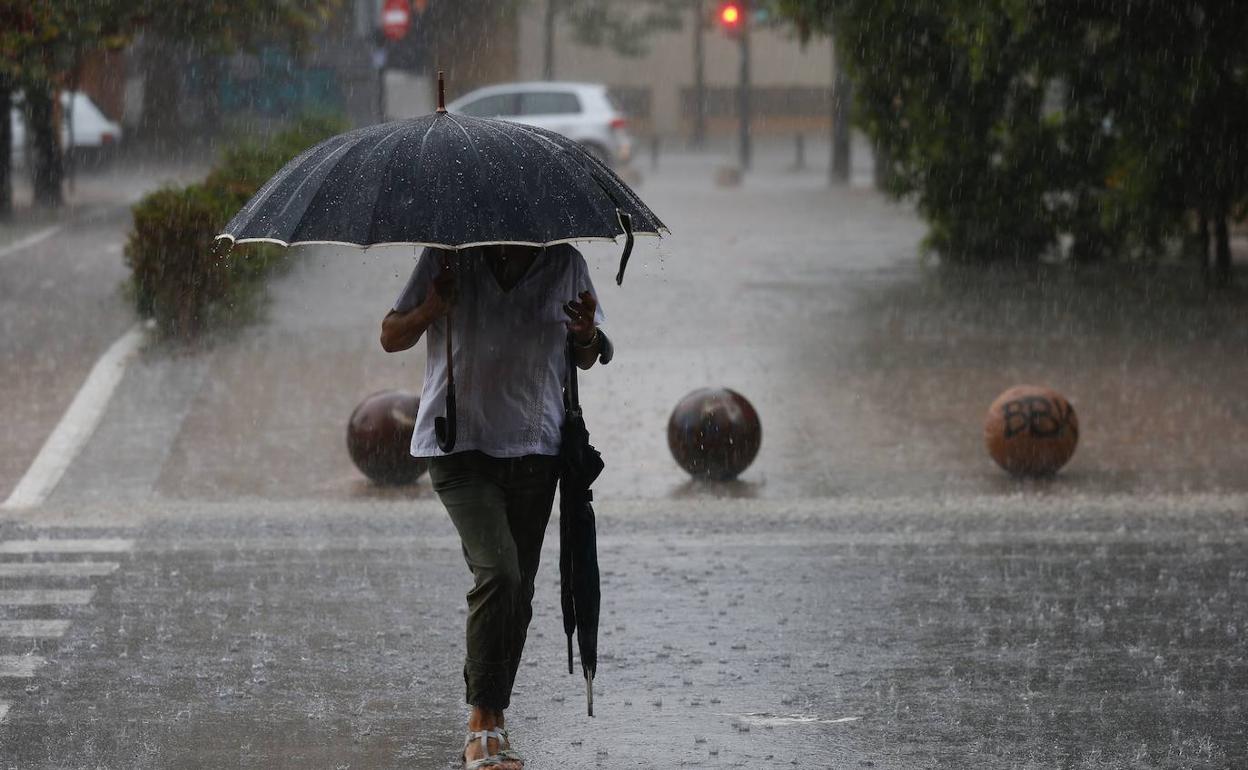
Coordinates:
x,y
579,466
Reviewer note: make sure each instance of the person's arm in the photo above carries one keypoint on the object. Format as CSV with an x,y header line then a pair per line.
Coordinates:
x,y
586,341
402,330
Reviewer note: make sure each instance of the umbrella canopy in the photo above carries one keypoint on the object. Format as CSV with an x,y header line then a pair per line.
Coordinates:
x,y
579,466
447,181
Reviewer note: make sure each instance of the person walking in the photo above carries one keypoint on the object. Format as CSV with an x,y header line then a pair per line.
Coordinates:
x,y
514,308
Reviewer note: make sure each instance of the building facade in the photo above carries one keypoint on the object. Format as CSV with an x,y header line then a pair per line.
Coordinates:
x,y
791,83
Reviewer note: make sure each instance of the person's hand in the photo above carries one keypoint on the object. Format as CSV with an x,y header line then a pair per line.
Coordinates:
x,y
441,296
581,317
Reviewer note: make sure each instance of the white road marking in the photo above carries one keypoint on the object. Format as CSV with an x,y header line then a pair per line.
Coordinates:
x,y
4,709
34,629
20,666
44,597
67,545
77,424
30,240
57,568
770,720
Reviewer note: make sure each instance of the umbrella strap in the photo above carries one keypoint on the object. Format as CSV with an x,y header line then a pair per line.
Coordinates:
x,y
444,427
571,393
626,221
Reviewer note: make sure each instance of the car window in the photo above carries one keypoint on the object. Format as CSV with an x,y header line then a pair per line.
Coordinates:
x,y
549,103
490,106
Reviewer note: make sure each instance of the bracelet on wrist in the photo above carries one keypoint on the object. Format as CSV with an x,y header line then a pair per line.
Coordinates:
x,y
593,340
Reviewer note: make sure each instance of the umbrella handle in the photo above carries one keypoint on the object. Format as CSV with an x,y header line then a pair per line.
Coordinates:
x,y
444,427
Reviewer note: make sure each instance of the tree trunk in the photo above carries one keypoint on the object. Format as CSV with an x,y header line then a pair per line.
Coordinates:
x,y
48,158
1201,250
160,121
842,95
6,157
698,137
212,67
548,60
1222,252
69,153
883,164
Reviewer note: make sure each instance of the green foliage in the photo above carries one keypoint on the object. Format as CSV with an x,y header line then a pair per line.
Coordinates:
x,y
1016,123
248,163
176,277
40,43
43,43
228,25
179,276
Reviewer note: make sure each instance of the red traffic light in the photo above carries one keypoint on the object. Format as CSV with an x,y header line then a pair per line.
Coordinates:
x,y
730,15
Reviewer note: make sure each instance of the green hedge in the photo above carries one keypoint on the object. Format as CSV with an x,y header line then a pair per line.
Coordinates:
x,y
180,276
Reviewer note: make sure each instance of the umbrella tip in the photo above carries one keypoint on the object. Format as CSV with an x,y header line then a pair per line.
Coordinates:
x,y
441,91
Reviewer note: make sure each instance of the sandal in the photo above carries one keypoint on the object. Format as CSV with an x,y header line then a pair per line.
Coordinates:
x,y
491,760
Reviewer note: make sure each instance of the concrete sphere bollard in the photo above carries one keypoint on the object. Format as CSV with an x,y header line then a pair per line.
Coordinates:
x,y
379,437
714,433
1031,431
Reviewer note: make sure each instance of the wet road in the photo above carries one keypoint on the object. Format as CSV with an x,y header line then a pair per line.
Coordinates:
x,y
870,368
60,307
62,302
756,634
871,593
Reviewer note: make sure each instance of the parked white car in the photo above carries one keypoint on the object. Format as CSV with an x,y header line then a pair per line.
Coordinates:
x,y
93,132
582,112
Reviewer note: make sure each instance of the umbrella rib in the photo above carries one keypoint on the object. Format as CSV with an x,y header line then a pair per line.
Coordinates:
x,y
339,159
583,177
594,171
564,154
372,210
497,215
266,190
331,160
420,159
528,201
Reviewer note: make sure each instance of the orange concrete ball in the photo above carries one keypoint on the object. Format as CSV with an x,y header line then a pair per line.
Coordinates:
x,y
1031,431
379,437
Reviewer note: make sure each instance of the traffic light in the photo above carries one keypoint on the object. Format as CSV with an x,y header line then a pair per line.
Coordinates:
x,y
730,17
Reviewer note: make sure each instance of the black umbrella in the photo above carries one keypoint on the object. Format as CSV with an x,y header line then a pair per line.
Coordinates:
x,y
579,466
447,181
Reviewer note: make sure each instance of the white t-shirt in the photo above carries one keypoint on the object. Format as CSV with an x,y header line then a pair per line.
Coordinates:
x,y
509,349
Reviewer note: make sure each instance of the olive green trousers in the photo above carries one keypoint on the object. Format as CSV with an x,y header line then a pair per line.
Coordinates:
x,y
500,508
